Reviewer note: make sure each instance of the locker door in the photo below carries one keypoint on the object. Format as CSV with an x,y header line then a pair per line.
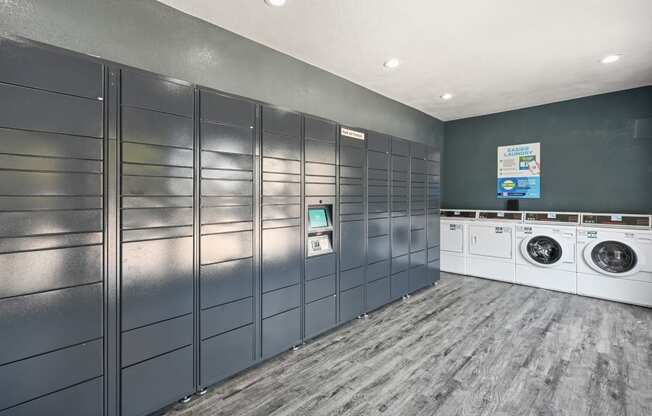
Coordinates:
x,y
320,142
432,212
400,217
352,228
282,236
156,241
227,275
490,241
51,232
377,284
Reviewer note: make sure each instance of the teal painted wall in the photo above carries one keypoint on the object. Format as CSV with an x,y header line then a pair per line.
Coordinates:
x,y
590,159
149,35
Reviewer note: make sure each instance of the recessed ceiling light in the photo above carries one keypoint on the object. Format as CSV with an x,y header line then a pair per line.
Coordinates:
x,y
392,63
446,96
610,59
275,3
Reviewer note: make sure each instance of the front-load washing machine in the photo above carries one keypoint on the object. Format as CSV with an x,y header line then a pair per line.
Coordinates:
x,y
492,245
615,258
546,250
454,233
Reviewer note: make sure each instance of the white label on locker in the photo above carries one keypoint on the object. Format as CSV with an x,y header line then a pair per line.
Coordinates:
x,y
552,215
500,214
616,218
352,133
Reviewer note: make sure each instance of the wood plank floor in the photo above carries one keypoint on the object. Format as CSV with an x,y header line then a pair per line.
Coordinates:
x,y
466,347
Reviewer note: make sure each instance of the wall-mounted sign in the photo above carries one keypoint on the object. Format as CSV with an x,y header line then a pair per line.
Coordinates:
x,y
352,133
519,171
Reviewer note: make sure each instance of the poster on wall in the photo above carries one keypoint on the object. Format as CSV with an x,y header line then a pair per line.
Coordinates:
x,y
519,171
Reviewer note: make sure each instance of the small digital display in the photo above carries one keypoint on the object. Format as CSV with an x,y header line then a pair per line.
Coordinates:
x,y
317,218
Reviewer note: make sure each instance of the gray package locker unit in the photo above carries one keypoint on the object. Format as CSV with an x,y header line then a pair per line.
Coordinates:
x,y
377,285
227,235
418,276
51,232
400,217
320,167
433,197
352,252
282,236
157,142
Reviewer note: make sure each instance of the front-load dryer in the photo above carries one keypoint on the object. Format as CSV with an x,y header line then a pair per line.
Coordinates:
x,y
492,245
546,252
454,233
615,258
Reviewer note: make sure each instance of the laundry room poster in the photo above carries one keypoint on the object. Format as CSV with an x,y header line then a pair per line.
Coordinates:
x,y
519,171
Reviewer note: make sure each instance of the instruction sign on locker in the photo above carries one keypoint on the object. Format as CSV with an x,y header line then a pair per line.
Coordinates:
x,y
519,171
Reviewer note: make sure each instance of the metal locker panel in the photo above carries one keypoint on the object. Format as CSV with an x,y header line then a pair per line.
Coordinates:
x,y
57,113
377,160
418,150
320,288
281,332
147,342
433,271
400,163
226,354
51,241
400,147
36,162
24,64
280,146
400,263
150,127
320,189
292,222
155,383
378,249
155,234
320,129
153,290
281,188
150,170
42,322
378,227
320,266
23,142
87,399
281,166
230,188
320,151
226,161
281,300
350,172
418,222
378,270
399,284
378,293
351,303
351,156
351,278
234,175
217,248
156,155
400,236
213,215
230,110
156,217
352,245
277,212
229,139
320,316
56,370
433,254
490,241
226,282
432,228
418,258
149,91
282,257
418,278
320,169
14,183
56,269
417,240
135,185
377,142
281,121
226,317
380,177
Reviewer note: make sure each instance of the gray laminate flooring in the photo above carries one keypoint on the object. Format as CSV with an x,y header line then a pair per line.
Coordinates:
x,y
466,347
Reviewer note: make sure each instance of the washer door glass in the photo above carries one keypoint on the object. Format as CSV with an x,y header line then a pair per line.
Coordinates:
x,y
544,250
614,257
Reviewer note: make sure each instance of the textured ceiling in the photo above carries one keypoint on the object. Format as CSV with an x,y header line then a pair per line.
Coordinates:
x,y
493,55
